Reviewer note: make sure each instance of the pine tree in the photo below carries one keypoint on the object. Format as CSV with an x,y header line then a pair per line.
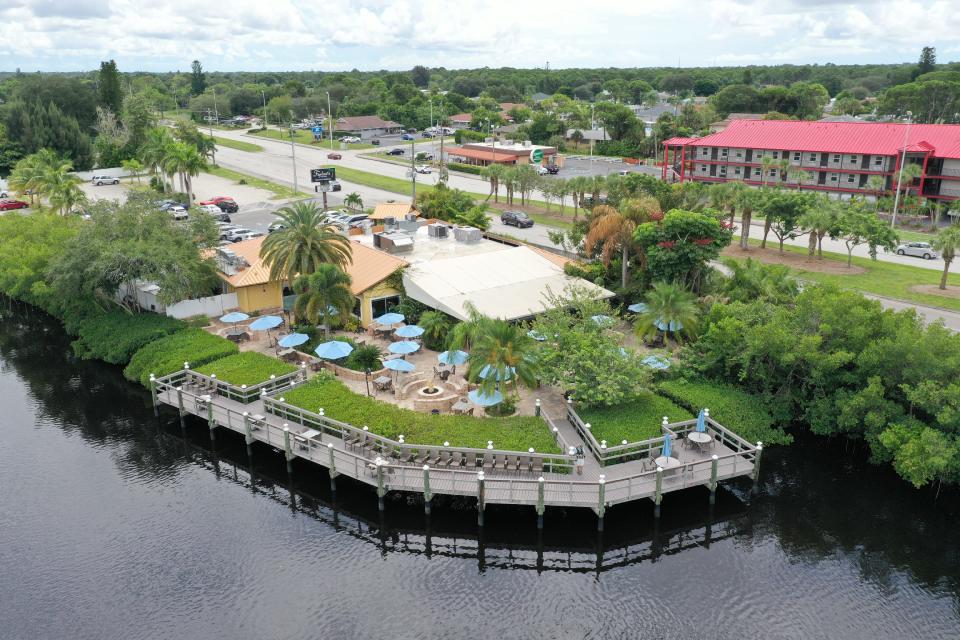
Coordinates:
x,y
928,61
198,79
110,91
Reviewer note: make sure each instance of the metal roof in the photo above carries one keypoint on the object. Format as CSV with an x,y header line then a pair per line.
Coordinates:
x,y
875,138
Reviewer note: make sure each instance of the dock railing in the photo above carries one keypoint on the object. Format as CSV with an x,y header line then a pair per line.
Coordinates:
x,y
211,385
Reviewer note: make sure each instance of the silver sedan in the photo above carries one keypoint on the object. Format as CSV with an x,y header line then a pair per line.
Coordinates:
x,y
918,249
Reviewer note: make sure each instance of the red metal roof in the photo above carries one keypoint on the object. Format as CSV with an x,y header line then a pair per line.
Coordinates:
x,y
875,138
679,140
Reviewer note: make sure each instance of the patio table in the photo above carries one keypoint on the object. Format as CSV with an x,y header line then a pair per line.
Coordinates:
x,y
700,438
382,382
667,463
461,406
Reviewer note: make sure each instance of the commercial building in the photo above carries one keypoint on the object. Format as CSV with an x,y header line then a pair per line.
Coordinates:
x,y
367,127
465,120
508,153
845,158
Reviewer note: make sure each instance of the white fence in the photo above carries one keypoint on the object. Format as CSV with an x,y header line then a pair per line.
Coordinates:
x,y
212,306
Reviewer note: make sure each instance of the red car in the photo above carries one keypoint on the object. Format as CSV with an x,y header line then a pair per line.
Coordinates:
x,y
226,204
6,205
334,156
218,200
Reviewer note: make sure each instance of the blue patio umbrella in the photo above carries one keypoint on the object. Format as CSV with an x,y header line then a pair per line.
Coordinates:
x,y
389,318
656,362
410,331
673,326
453,357
623,352
400,365
667,447
403,347
234,317
639,307
265,323
484,400
293,340
602,320
701,422
536,335
333,350
489,370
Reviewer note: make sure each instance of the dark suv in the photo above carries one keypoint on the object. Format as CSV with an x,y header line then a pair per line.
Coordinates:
x,y
517,219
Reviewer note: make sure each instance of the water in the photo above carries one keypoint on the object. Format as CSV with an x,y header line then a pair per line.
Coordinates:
x,y
114,524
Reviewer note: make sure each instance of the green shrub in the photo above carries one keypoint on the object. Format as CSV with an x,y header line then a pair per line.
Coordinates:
x,y
167,355
363,357
461,135
389,420
638,419
464,168
199,321
247,368
116,335
741,412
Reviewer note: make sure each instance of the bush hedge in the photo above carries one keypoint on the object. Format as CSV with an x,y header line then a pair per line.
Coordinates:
x,y
167,355
742,413
247,368
115,336
464,168
468,135
632,421
389,420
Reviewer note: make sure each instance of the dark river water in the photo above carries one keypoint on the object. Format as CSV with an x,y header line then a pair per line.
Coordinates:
x,y
116,524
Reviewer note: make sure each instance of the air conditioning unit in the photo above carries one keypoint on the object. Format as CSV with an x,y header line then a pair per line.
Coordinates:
x,y
376,240
437,230
396,242
467,234
527,144
410,217
389,221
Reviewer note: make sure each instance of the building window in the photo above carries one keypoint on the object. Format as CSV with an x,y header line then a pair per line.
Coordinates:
x,y
758,154
776,154
356,307
703,167
772,173
723,170
851,178
836,157
384,305
833,177
796,156
758,172
878,161
736,170
813,157
853,159
723,153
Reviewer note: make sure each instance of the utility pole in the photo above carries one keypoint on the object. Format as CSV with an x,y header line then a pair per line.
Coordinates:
x,y
213,147
413,171
593,125
440,123
264,96
903,161
330,120
293,154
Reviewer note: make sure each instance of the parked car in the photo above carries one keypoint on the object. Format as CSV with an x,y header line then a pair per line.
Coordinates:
x,y
179,212
542,170
334,156
422,156
918,249
7,205
553,169
395,152
102,180
3,194
351,219
166,205
242,233
422,169
335,185
407,136
276,226
516,219
215,212
426,134
227,230
350,139
375,142
225,203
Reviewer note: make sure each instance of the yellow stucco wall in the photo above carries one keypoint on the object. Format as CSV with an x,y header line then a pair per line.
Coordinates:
x,y
366,298
259,297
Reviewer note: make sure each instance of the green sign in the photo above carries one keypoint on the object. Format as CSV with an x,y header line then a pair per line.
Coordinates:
x,y
536,156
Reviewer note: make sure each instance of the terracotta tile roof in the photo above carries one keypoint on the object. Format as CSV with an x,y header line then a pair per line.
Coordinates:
x,y
558,260
393,210
369,267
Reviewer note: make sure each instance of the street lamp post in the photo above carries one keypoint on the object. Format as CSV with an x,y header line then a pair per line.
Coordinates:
x,y
264,96
366,377
903,161
293,156
330,120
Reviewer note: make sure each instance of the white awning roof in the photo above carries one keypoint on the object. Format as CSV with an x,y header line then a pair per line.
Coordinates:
x,y
506,284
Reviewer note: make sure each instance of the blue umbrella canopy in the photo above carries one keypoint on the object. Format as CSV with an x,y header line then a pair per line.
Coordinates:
x,y
484,400
333,350
389,318
656,362
489,371
400,365
701,422
403,347
293,340
265,323
453,357
639,307
410,331
602,320
536,335
234,316
673,326
667,447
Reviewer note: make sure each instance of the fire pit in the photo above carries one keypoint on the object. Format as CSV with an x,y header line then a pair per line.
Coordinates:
x,y
430,391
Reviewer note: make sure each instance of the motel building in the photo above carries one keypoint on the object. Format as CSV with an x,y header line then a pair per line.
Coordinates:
x,y
834,157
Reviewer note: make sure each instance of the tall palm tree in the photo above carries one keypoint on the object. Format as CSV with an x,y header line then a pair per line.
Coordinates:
x,y
909,173
493,173
185,160
746,202
508,353
766,163
465,333
509,180
561,189
305,243
63,190
875,185
947,242
783,166
819,220
612,230
354,201
323,294
436,326
668,305
154,150
578,188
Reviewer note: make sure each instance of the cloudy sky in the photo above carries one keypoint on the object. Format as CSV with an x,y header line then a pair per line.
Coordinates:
x,y
68,35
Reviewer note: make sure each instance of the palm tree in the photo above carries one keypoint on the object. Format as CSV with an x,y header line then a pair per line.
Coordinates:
x,y
783,166
796,174
132,166
436,326
947,242
746,201
185,160
909,173
668,305
354,201
752,280
493,173
63,189
766,163
475,216
578,186
561,189
611,230
876,184
465,334
154,150
819,220
509,180
323,294
507,352
305,243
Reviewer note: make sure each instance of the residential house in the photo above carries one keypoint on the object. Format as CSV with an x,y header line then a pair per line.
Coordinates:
x,y
367,127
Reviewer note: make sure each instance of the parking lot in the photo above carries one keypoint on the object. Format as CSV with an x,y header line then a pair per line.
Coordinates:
x,y
583,166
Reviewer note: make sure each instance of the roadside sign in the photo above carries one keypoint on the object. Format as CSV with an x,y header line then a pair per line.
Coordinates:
x,y
536,156
324,187
323,175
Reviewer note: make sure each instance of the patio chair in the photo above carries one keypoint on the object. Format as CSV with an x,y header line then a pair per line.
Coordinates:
x,y
444,458
471,462
434,457
536,465
490,461
523,463
456,459
422,456
510,463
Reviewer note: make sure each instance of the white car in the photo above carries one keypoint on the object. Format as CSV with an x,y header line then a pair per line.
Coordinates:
x,y
918,249
179,212
212,209
102,180
244,234
350,139
422,169
542,170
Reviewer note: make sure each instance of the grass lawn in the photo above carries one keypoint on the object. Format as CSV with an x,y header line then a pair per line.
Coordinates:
x,y
882,278
306,137
279,191
633,421
237,144
907,235
247,368
391,421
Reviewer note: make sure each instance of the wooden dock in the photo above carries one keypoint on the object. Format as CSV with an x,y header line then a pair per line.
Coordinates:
x,y
497,477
